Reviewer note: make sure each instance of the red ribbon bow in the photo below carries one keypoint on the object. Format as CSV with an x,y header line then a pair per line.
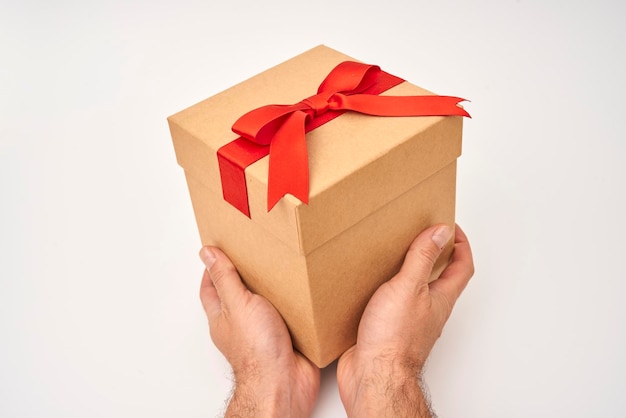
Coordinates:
x,y
279,130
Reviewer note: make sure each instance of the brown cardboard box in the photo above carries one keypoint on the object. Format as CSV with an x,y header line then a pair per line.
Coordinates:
x,y
375,183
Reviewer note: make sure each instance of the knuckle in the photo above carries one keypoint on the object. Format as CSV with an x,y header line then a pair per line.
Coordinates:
x,y
220,272
429,254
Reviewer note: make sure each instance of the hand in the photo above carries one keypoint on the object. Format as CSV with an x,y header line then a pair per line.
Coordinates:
x,y
271,379
380,375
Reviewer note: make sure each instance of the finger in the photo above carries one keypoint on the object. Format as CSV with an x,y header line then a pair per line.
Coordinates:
x,y
455,277
224,277
422,255
209,297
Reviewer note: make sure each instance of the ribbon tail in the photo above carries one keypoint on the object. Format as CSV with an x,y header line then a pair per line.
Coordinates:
x,y
399,105
288,161
233,158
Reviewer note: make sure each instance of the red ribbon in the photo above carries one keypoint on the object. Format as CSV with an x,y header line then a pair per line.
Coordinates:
x,y
279,130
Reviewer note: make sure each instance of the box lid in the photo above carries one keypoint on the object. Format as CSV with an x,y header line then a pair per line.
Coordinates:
x,y
357,163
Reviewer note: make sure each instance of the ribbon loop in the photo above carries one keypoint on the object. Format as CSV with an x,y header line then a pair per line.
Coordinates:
x,y
350,77
279,130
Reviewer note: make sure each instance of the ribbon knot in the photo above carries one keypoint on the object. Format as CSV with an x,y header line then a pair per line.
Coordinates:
x,y
319,104
279,130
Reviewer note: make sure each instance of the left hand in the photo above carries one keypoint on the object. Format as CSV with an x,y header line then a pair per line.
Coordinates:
x,y
271,379
380,375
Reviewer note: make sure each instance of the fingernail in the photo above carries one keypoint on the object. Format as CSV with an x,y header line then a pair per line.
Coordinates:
x,y
208,257
441,236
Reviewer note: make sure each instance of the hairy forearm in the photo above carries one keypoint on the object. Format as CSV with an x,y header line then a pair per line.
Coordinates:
x,y
247,402
391,389
252,397
242,404
259,394
397,401
408,399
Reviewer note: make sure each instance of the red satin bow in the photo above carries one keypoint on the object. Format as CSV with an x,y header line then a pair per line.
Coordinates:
x,y
349,86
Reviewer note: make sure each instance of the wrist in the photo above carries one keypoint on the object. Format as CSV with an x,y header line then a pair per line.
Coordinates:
x,y
256,395
388,386
263,393
250,401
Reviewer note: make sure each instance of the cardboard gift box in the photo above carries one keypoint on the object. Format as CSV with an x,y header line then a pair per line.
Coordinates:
x,y
375,182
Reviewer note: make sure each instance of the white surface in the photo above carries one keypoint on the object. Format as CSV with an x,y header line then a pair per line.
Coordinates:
x,y
99,314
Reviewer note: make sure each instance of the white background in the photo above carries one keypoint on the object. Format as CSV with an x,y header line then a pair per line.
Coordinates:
x,y
99,274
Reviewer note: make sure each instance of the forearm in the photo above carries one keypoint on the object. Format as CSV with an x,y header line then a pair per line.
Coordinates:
x,y
246,403
261,395
390,390
397,401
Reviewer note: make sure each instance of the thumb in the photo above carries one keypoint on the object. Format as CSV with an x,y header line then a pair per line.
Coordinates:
x,y
422,255
223,282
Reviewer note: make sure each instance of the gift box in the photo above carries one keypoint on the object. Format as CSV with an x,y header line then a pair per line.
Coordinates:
x,y
374,182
